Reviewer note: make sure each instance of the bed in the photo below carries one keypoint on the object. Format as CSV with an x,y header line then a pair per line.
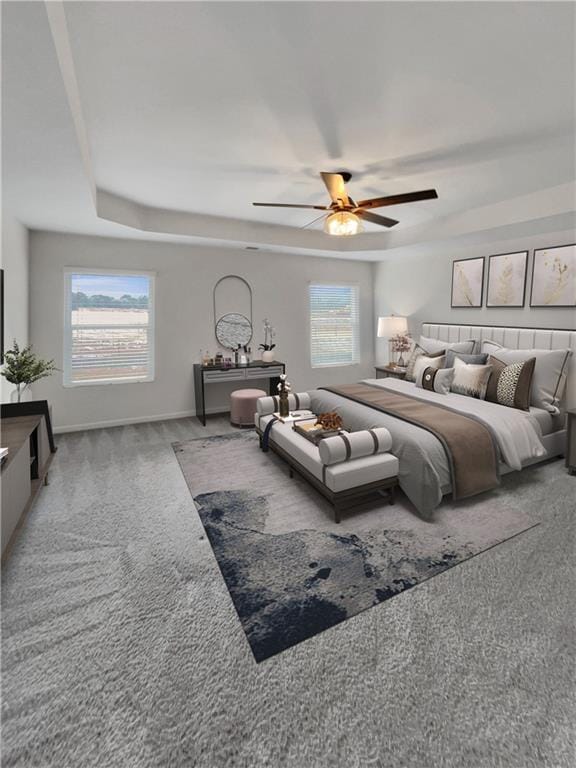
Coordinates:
x,y
522,438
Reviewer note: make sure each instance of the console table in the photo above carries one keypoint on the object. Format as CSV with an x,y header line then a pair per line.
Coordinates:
x,y
27,433
207,375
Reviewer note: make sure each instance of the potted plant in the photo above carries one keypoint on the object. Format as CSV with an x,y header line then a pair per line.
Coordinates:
x,y
268,346
22,367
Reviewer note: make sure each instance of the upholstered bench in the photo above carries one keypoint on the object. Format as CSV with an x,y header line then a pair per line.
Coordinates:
x,y
344,469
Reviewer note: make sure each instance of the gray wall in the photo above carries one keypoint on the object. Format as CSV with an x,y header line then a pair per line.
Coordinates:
x,y
184,323
419,287
15,266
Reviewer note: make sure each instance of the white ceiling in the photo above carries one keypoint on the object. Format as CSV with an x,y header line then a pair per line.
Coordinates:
x,y
192,110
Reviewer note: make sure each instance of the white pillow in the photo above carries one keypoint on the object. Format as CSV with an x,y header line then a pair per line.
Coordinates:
x,y
549,378
470,380
435,345
424,362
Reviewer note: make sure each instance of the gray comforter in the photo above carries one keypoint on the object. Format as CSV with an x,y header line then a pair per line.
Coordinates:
x,y
424,473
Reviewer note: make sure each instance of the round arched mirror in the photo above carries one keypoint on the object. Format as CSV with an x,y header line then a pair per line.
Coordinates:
x,y
233,330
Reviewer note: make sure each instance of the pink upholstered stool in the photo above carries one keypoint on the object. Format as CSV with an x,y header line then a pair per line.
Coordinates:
x,y
243,406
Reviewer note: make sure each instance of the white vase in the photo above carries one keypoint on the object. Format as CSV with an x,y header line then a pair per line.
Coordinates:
x,y
268,356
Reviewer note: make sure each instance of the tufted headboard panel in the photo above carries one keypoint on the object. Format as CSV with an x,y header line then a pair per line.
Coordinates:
x,y
514,338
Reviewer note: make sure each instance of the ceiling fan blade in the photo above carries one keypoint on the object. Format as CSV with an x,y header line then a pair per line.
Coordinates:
x,y
291,205
322,215
408,197
336,188
375,218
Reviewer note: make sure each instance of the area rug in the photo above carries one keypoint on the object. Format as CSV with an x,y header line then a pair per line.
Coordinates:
x,y
291,571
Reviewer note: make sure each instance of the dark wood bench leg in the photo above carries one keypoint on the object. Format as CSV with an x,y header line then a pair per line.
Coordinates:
x,y
391,495
336,512
290,472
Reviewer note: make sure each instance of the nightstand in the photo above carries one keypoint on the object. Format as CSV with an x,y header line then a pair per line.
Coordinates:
x,y
385,371
571,442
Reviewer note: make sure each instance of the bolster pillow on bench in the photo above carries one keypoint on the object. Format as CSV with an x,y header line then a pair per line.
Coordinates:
x,y
296,402
353,445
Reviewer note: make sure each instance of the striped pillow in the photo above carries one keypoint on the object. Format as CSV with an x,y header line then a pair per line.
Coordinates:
x,y
436,380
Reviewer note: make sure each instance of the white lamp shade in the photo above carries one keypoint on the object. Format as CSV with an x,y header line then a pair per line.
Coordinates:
x,y
391,326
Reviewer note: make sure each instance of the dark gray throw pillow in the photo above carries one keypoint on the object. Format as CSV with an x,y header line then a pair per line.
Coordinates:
x,y
472,359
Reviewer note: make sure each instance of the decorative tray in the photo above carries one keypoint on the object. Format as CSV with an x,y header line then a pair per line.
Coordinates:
x,y
314,433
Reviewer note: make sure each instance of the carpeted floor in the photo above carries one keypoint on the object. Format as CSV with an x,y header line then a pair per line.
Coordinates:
x,y
121,646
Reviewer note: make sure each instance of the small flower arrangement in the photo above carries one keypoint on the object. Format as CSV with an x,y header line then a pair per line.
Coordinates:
x,y
283,385
401,342
269,334
284,388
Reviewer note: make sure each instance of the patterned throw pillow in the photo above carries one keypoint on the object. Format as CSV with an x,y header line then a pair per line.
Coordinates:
x,y
435,379
417,352
550,372
511,384
470,380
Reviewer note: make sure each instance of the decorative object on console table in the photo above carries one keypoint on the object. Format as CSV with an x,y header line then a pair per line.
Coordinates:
x,y
392,371
467,282
22,367
571,442
390,327
554,277
268,346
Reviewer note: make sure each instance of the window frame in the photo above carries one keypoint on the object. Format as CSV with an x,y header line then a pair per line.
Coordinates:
x,y
68,327
356,331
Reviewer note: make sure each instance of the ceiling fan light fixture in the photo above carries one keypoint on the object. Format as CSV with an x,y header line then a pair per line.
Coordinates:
x,y
342,224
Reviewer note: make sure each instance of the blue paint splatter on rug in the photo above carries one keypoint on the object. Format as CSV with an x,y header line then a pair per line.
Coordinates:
x,y
289,586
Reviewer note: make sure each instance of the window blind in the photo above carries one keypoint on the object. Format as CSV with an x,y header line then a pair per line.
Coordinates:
x,y
109,328
334,325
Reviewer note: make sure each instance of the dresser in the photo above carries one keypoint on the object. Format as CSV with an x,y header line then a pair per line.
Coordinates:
x,y
209,376
28,436
571,442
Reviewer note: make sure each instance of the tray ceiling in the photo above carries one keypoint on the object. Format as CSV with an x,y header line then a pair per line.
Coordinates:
x,y
169,119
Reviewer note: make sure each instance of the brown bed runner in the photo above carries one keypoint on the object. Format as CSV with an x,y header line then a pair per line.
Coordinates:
x,y
468,444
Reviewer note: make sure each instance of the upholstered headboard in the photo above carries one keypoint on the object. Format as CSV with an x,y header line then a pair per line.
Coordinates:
x,y
514,338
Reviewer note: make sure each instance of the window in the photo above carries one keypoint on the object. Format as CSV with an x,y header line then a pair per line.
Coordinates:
x,y
109,327
334,325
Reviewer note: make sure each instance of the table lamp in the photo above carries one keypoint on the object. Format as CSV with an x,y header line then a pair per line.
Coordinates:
x,y
391,326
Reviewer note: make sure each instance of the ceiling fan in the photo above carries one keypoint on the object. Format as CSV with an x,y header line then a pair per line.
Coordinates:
x,y
345,215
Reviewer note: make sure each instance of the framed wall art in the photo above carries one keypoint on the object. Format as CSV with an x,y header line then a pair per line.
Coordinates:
x,y
507,279
554,277
467,282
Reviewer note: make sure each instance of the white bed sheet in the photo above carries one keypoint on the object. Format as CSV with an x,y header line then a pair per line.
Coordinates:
x,y
517,432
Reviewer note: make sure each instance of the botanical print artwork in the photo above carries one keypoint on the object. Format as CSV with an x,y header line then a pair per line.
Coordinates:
x,y
467,280
554,277
507,279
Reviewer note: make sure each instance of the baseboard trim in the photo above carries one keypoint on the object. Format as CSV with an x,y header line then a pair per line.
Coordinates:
x,y
134,420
